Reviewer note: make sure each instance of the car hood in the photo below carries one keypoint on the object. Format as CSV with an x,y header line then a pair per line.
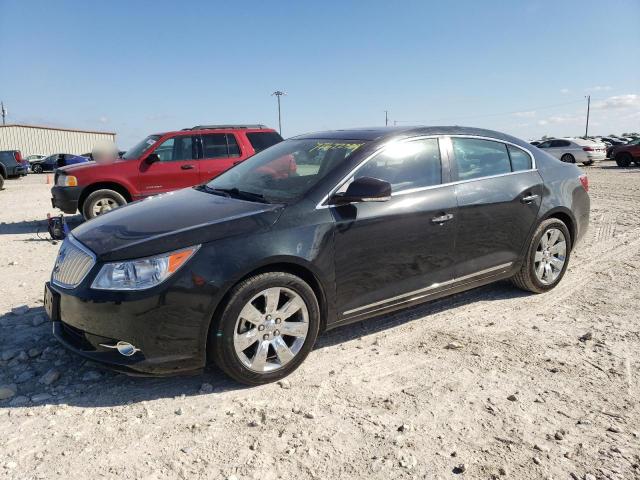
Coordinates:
x,y
171,221
76,167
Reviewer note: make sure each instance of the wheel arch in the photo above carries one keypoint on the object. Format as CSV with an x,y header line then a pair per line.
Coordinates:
x,y
564,215
292,265
3,170
89,189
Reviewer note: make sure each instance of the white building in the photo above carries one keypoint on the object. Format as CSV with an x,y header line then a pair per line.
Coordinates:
x,y
32,139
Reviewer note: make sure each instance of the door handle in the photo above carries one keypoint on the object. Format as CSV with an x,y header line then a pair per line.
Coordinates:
x,y
187,167
442,218
529,199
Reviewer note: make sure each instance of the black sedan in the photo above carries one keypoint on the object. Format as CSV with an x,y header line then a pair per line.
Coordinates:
x,y
318,231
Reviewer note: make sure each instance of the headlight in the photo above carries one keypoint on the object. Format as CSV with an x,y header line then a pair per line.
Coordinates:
x,y
67,181
142,273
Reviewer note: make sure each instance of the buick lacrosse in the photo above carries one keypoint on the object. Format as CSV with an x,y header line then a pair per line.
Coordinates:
x,y
317,231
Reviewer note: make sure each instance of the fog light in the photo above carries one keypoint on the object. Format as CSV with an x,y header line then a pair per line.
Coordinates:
x,y
124,348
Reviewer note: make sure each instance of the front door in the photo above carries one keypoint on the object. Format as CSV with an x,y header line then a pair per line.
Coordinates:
x,y
499,195
220,152
178,167
384,251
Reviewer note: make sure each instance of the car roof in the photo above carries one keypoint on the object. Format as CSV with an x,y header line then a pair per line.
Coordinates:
x,y
249,128
381,133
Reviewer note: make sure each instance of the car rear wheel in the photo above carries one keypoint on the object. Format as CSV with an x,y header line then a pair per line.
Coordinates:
x,y
587,163
623,159
568,158
101,201
547,257
37,168
266,329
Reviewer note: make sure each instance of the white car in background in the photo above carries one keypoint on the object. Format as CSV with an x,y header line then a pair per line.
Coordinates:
x,y
575,150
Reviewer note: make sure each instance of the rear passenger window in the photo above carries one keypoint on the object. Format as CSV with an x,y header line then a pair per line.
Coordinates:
x,y
406,165
220,145
261,140
476,158
520,160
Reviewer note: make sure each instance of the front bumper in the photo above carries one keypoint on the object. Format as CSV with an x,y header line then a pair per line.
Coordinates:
x,y
170,335
65,198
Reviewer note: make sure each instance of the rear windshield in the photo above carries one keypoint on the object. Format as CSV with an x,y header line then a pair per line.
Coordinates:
x,y
261,140
140,148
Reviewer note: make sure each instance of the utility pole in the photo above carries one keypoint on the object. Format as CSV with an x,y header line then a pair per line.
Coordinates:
x,y
386,118
4,112
586,130
278,94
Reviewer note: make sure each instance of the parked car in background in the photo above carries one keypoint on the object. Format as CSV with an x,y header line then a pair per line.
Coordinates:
x,y
33,158
158,164
247,269
574,150
11,165
624,155
57,160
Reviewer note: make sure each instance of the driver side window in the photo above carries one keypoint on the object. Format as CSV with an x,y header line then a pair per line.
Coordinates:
x,y
176,149
406,165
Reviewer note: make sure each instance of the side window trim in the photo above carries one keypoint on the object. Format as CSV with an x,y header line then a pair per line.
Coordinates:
x,y
497,140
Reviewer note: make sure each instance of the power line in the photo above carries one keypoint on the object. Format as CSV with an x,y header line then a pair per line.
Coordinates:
x,y
492,114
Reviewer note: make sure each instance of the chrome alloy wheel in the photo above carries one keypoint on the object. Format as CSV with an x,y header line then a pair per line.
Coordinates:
x,y
271,329
104,205
550,256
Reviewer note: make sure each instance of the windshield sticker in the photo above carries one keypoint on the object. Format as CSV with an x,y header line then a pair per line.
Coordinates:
x,y
334,146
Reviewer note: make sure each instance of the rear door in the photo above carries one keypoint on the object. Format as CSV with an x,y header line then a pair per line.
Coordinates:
x,y
178,166
388,252
499,194
557,148
220,152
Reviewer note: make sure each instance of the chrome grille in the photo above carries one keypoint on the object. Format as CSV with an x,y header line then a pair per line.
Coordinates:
x,y
72,264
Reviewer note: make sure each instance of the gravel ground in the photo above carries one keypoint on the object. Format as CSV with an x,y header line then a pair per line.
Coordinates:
x,y
491,383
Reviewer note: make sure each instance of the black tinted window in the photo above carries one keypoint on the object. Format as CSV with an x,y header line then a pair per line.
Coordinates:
x,y
261,140
559,143
406,165
220,145
475,158
520,160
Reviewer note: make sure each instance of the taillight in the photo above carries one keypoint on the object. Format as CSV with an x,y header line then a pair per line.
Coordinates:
x,y
588,149
18,156
584,180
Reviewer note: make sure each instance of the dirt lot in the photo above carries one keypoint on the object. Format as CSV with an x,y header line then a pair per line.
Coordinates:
x,y
541,387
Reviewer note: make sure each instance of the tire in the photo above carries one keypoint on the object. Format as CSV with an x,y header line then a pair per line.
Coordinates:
x,y
101,201
567,158
526,278
623,159
587,163
1,182
37,168
239,363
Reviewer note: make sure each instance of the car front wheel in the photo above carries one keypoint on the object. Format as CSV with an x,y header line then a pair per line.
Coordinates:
x,y
266,329
547,257
101,201
37,168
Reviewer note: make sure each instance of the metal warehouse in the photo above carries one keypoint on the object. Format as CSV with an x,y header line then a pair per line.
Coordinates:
x,y
32,139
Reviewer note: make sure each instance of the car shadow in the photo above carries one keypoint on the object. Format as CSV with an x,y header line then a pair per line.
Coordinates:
x,y
82,383
37,227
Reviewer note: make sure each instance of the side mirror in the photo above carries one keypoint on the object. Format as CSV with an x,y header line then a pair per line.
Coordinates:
x,y
364,189
152,158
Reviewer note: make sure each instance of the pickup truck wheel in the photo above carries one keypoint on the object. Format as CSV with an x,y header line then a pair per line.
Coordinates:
x,y
37,168
623,159
101,201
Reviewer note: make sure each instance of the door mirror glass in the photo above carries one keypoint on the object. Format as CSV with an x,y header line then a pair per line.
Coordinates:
x,y
364,189
152,158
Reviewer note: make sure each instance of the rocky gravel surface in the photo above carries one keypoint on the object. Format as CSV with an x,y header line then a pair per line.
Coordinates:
x,y
489,384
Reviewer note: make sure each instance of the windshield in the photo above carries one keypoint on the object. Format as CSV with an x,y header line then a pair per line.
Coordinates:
x,y
286,171
140,148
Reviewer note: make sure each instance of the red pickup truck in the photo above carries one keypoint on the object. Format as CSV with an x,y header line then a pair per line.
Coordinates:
x,y
160,163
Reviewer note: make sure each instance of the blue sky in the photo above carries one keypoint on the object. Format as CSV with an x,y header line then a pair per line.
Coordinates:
x,y
136,67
